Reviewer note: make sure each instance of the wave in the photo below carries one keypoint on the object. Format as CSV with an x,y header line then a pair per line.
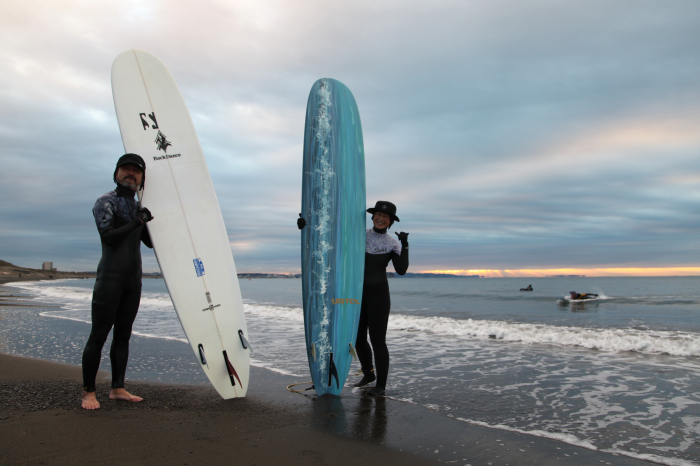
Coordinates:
x,y
613,340
675,343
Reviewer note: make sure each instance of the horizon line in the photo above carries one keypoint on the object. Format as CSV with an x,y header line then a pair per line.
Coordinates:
x,y
588,272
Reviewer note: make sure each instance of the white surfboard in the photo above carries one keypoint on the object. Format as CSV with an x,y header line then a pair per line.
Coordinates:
x,y
188,232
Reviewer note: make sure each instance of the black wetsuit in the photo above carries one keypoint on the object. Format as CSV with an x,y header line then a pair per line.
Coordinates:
x,y
117,293
376,302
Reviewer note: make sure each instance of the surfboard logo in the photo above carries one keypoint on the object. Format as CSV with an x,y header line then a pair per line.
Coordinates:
x,y
344,301
198,266
145,122
161,142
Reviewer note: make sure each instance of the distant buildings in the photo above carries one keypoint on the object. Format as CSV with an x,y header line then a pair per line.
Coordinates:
x,y
48,266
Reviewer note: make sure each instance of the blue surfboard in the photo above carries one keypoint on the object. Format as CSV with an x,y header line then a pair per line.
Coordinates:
x,y
333,242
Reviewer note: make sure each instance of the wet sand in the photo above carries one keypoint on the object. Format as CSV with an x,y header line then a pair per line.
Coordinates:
x,y
41,423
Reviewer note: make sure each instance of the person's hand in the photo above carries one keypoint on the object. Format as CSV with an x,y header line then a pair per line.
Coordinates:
x,y
144,215
403,237
301,223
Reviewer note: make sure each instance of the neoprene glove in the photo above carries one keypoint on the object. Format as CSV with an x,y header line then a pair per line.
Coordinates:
x,y
301,223
144,214
403,237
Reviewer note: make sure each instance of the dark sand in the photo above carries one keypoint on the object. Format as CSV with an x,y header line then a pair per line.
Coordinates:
x,y
41,421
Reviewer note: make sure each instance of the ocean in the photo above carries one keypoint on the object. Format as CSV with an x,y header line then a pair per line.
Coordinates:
x,y
618,374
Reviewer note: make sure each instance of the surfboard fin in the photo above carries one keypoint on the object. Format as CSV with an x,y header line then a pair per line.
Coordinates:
x,y
231,371
352,351
333,372
202,356
244,342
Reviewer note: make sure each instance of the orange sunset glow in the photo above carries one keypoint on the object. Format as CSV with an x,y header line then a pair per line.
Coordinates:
x,y
595,272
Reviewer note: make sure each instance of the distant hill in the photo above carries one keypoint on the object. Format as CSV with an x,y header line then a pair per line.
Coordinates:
x,y
13,273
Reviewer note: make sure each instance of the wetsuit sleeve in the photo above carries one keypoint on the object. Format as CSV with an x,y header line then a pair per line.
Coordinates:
x,y
106,220
146,238
112,236
400,261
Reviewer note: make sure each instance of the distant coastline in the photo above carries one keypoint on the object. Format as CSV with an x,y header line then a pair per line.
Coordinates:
x,y
14,273
388,274
429,275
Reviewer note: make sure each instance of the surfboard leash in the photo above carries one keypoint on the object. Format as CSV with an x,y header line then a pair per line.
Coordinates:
x,y
289,387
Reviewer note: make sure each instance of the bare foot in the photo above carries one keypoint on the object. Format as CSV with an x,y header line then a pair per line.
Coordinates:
x,y
121,394
90,401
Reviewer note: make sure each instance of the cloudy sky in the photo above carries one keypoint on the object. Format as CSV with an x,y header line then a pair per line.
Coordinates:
x,y
545,136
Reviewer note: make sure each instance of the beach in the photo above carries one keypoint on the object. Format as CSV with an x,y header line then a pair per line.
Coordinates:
x,y
41,423
189,424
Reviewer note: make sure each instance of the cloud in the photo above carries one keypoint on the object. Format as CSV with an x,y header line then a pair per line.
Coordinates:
x,y
510,134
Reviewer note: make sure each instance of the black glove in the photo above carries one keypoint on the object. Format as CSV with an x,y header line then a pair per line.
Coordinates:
x,y
403,237
144,214
301,223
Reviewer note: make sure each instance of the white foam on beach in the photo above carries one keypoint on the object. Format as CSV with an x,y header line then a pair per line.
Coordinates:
x,y
653,458
566,438
573,440
270,367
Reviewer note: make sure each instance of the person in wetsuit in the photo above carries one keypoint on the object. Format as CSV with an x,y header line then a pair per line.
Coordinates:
x,y
581,296
380,249
117,292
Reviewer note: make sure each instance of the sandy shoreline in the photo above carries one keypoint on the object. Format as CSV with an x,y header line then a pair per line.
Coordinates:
x,y
40,423
40,419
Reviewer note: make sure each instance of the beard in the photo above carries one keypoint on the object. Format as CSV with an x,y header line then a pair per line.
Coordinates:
x,y
128,183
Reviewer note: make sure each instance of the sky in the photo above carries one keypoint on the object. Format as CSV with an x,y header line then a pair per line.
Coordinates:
x,y
536,137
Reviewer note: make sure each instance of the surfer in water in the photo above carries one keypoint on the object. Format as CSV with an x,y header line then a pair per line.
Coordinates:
x,y
582,296
117,293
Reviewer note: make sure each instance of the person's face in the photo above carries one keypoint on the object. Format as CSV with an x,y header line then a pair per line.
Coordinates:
x,y
130,175
381,220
